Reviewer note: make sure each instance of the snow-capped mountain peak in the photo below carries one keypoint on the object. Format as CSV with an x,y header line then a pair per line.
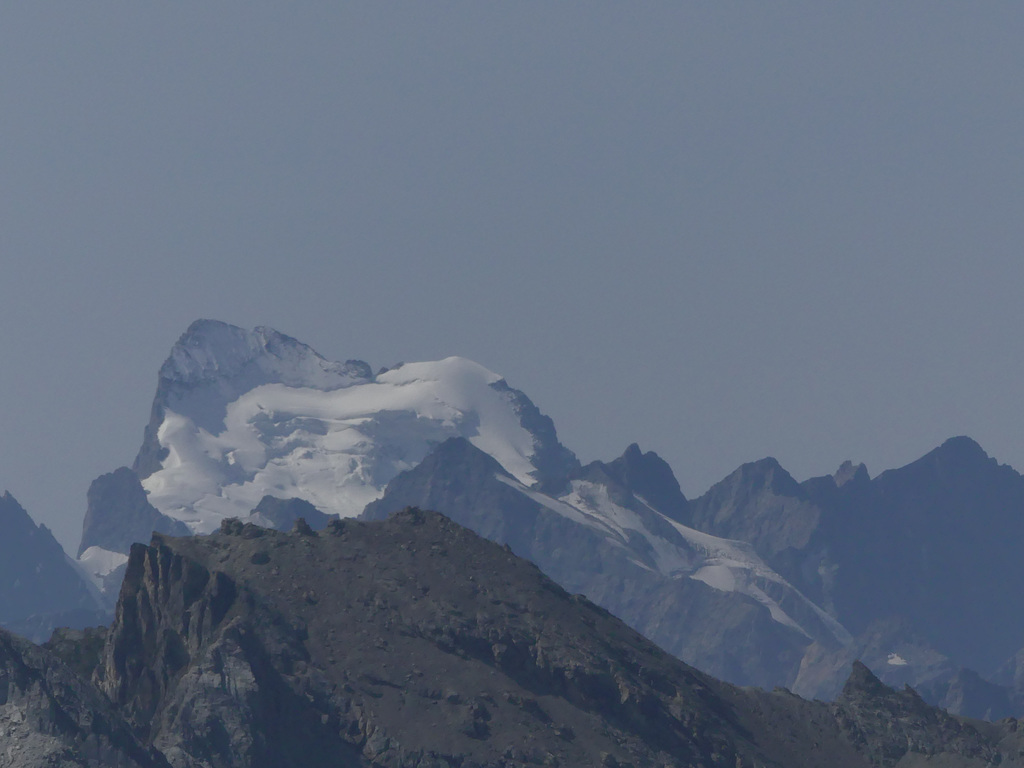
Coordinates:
x,y
212,350
243,414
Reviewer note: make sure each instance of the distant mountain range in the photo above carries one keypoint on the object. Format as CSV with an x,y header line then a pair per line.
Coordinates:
x,y
761,581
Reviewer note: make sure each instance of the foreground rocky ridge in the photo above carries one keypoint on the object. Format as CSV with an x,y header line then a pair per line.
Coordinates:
x,y
413,642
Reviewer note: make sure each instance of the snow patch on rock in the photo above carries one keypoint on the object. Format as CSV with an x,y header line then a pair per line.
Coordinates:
x,y
678,551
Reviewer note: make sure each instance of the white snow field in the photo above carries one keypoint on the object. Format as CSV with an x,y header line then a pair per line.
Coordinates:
x,y
338,448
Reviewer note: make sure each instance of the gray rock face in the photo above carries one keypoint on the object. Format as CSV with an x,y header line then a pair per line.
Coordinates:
x,y
760,503
50,716
41,588
119,515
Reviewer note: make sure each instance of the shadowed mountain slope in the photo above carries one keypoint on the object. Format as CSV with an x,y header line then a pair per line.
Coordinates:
x,y
694,595
939,542
918,563
41,587
118,514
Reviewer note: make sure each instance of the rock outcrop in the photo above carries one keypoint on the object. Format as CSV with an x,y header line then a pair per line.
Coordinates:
x,y
51,716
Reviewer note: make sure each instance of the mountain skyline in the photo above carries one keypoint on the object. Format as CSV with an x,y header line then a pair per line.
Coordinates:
x,y
67,528
718,232
762,580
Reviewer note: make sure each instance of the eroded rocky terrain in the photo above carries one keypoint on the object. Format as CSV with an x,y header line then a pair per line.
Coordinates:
x,y
414,642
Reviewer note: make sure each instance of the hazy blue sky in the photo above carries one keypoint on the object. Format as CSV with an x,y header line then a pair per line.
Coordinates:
x,y
722,230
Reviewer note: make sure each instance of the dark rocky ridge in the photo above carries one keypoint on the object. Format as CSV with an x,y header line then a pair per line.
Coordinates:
x,y
887,724
416,643
409,642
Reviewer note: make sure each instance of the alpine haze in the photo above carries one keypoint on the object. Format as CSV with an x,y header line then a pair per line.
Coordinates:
x,y
725,233
759,265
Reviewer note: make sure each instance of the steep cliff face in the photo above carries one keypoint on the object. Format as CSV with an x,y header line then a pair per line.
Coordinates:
x,y
51,716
